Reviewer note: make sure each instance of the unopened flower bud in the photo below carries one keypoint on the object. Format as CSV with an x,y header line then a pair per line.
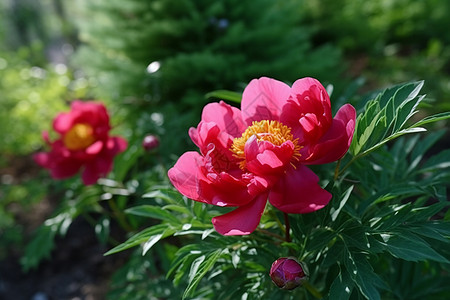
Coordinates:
x,y
287,273
150,142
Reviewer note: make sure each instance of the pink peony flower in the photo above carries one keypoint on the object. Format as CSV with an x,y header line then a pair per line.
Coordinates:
x,y
262,151
84,143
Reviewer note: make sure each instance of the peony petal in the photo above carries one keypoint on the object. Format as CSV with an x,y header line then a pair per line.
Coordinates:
x,y
263,99
243,220
42,158
95,148
185,175
226,193
298,192
115,145
46,137
91,174
64,122
308,111
309,122
205,134
264,158
312,98
121,144
336,141
64,168
227,118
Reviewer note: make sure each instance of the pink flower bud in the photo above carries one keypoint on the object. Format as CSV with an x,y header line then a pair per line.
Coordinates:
x,y
150,142
287,273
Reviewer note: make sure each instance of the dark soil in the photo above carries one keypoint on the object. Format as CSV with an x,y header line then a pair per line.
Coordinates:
x,y
77,270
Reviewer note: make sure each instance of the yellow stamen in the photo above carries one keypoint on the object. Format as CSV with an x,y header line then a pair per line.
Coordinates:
x,y
79,137
266,130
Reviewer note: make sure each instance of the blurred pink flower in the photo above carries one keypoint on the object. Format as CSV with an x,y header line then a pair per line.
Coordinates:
x,y
261,151
84,143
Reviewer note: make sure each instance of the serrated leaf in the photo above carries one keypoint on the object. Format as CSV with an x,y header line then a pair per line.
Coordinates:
x,y
199,269
151,211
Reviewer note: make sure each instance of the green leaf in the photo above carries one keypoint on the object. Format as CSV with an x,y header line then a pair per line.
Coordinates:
x,y
355,236
436,162
335,212
342,287
102,229
39,248
184,254
437,230
432,119
177,208
362,274
366,124
408,246
391,137
225,95
319,239
421,147
151,211
169,196
385,118
146,235
199,268
125,161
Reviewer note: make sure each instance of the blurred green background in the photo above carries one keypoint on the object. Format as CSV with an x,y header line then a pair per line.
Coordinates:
x,y
152,62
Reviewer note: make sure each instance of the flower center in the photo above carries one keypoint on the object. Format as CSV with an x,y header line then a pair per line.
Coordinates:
x,y
271,131
79,137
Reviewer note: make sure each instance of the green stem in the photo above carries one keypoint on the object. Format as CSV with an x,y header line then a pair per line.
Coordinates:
x,y
336,171
353,159
288,227
345,167
312,290
275,217
119,216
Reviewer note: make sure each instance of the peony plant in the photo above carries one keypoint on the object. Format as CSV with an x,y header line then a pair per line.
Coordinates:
x,y
388,214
